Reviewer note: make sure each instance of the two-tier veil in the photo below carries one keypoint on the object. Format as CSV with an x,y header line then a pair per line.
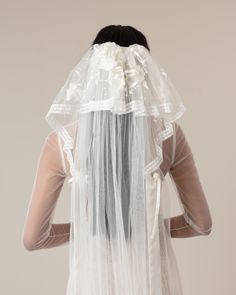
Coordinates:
x,y
114,111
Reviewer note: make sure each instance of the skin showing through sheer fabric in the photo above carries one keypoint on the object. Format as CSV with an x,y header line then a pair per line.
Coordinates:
x,y
52,170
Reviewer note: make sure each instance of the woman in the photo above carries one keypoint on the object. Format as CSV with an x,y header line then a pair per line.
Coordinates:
x,y
120,227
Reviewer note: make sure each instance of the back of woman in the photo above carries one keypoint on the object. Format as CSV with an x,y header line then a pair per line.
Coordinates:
x,y
115,138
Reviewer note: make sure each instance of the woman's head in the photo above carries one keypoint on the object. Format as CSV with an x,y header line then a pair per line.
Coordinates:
x,y
121,35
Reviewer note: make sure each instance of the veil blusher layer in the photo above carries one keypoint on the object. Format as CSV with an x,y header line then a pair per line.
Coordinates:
x,y
113,113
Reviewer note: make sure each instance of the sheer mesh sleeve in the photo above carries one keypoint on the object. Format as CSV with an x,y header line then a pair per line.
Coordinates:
x,y
39,231
196,218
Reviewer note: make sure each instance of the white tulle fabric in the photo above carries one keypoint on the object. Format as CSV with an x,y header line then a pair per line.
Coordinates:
x,y
112,114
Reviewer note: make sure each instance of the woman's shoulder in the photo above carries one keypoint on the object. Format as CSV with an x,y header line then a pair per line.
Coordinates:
x,y
173,147
54,142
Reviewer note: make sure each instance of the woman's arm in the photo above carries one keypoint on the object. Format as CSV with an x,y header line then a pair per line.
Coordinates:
x,y
196,218
39,231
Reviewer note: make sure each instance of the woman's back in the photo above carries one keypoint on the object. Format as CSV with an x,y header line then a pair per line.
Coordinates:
x,y
53,169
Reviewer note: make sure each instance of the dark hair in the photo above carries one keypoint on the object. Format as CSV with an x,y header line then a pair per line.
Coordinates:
x,y
121,35
124,124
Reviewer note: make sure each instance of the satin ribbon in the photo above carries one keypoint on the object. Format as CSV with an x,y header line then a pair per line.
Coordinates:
x,y
156,176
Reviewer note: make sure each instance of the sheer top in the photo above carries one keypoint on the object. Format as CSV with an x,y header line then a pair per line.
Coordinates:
x,y
52,170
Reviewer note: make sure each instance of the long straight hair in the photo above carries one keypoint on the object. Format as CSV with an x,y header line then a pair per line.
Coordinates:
x,y
122,125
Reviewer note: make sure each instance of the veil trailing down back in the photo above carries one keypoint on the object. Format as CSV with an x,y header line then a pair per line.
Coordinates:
x,y
113,113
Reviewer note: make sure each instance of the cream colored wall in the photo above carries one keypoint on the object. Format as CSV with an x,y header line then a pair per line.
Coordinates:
x,y
40,43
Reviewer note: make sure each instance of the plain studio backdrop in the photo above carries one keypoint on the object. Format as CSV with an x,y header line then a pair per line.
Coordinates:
x,y
41,41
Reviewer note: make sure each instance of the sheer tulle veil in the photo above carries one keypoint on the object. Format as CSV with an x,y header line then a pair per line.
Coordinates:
x,y
113,113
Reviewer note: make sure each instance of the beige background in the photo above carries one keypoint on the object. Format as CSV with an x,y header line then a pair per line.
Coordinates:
x,y
40,43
